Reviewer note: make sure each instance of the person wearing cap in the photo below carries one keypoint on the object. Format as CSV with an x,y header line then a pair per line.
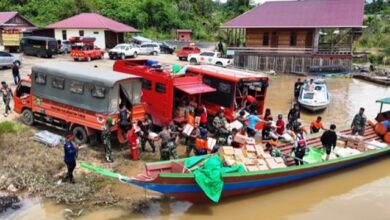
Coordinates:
x,y
106,134
299,150
316,125
359,123
219,123
329,140
168,146
146,128
70,155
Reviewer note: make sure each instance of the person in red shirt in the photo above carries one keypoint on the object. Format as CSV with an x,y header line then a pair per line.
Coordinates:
x,y
316,125
203,115
132,136
280,125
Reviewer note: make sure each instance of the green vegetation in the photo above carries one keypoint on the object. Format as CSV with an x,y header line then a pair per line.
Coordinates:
x,y
11,127
156,18
376,37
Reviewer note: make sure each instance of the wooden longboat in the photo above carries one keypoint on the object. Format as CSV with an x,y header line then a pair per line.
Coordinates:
x,y
172,179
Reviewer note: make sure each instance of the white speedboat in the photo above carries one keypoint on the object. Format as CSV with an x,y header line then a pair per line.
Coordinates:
x,y
315,96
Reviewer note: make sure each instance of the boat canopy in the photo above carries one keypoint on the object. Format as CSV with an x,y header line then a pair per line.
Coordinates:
x,y
384,100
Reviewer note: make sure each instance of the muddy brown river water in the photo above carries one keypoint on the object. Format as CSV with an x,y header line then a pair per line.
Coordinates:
x,y
359,193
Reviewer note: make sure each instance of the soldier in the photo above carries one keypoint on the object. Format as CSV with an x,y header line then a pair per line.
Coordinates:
x,y
221,132
359,123
146,127
168,146
106,134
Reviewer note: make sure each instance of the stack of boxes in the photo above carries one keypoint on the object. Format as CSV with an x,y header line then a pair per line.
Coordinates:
x,y
353,141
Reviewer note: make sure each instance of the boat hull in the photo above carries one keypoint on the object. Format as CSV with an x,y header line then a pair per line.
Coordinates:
x,y
184,187
313,107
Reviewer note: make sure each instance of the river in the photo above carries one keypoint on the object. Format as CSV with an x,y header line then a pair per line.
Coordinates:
x,y
358,193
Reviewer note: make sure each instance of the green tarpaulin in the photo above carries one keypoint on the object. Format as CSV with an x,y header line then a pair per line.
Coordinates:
x,y
313,155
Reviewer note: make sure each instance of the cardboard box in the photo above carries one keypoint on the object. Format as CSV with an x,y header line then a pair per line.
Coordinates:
x,y
249,161
188,129
271,163
239,138
211,142
266,156
152,135
235,124
252,168
261,162
263,167
226,150
279,160
250,141
259,149
229,161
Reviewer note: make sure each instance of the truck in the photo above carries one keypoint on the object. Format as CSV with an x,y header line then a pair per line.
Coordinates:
x,y
124,50
215,87
164,90
83,48
184,52
71,97
11,39
210,57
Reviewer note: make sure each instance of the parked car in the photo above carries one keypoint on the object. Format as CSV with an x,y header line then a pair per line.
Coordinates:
x,y
124,50
210,57
39,46
149,48
7,59
65,47
166,48
187,50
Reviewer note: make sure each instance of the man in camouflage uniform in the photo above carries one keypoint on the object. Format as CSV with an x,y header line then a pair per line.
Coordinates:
x,y
359,123
146,127
168,146
106,134
221,132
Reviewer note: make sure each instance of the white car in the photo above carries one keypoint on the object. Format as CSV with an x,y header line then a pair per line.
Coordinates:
x,y
7,59
150,48
122,51
209,57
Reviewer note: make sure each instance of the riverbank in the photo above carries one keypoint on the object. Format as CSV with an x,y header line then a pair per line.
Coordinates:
x,y
32,169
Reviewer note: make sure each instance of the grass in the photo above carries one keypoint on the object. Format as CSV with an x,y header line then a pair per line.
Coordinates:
x,y
11,127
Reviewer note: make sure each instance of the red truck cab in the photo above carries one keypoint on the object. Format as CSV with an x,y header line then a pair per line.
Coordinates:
x,y
183,53
83,48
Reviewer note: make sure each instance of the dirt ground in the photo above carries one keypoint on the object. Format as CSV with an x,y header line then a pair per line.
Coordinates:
x,y
33,169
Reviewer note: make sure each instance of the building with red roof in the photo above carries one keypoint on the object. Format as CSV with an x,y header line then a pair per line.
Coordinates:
x,y
184,35
292,36
12,24
107,32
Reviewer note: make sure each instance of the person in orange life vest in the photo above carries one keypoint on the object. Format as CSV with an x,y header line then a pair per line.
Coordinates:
x,y
190,118
132,136
280,125
316,125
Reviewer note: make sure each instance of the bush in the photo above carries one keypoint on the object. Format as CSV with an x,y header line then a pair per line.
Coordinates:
x,y
10,127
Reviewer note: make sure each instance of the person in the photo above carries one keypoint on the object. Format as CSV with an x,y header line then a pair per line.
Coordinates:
x,y
274,151
293,115
123,118
70,155
280,125
359,123
241,117
203,115
219,123
168,146
297,88
253,119
316,125
251,104
106,134
146,127
7,95
220,47
132,136
311,85
15,72
203,136
329,139
175,131
268,115
191,140
299,150
235,144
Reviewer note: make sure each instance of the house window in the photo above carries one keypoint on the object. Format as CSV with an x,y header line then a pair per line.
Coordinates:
x,y
96,32
77,87
265,39
160,88
64,37
293,39
146,84
58,83
81,33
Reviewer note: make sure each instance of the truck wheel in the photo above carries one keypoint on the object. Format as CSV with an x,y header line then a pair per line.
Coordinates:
x,y
219,64
80,135
123,56
135,55
89,59
180,58
154,53
193,61
28,117
75,59
111,57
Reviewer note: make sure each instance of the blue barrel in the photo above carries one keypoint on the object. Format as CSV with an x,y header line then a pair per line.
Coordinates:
x,y
151,63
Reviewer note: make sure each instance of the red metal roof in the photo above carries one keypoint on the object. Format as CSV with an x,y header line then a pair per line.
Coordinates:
x,y
306,13
8,15
195,88
92,21
184,30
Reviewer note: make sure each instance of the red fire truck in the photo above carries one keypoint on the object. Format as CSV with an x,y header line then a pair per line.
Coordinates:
x,y
165,91
83,48
213,86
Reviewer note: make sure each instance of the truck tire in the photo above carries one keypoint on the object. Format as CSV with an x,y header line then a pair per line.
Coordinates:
x,y
80,135
28,117
135,55
89,59
75,59
219,64
193,61
123,56
154,53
